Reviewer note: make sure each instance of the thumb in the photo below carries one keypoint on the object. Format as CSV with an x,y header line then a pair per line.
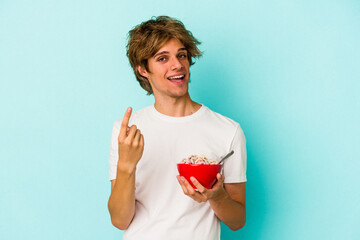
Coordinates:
x,y
220,180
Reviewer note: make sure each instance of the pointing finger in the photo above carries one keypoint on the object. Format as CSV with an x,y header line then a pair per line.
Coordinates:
x,y
125,124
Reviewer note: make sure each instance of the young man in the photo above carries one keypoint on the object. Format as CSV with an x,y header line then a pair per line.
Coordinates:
x,y
149,200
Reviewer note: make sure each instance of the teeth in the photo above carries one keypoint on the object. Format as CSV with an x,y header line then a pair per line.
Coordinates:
x,y
177,77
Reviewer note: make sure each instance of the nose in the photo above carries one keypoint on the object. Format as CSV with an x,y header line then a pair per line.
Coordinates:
x,y
176,64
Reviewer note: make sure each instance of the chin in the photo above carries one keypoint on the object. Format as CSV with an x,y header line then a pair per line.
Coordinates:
x,y
181,93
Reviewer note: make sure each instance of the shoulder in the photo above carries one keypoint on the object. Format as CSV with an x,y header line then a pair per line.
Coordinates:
x,y
221,120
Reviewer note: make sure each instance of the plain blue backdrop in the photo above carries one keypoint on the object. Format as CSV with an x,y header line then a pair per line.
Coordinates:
x,y
287,71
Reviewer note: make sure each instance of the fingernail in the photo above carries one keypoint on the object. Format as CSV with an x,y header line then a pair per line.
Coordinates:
x,y
182,179
192,179
129,109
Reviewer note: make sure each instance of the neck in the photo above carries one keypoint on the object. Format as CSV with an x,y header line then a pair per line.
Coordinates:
x,y
176,107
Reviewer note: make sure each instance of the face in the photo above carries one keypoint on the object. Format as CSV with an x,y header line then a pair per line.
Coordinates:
x,y
168,70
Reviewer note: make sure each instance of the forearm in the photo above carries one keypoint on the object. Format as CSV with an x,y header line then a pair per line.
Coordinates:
x,y
230,212
122,199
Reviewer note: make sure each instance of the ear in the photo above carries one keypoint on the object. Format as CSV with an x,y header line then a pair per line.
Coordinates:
x,y
142,71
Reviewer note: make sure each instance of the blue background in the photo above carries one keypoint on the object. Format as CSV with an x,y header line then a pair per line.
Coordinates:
x,y
287,71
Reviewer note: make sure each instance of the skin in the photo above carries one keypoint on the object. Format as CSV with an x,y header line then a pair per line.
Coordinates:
x,y
121,202
172,99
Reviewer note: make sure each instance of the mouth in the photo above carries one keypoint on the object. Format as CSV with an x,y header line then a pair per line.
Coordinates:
x,y
177,79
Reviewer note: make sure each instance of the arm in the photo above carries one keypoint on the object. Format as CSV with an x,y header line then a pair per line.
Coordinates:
x,y
229,206
227,200
121,202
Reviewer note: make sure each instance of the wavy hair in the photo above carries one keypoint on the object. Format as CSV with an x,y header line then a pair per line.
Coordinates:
x,y
145,40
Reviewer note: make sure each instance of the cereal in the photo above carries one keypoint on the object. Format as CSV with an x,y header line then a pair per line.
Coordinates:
x,y
195,159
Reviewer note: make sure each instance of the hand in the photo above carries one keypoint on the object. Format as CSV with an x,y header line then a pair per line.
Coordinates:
x,y
131,143
203,194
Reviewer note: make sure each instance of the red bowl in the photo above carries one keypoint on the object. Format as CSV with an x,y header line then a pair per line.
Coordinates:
x,y
204,173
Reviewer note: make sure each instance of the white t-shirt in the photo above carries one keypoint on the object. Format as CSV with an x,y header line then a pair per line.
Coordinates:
x,y
162,210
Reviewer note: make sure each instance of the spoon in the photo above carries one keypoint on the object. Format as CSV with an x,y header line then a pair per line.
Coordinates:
x,y
227,155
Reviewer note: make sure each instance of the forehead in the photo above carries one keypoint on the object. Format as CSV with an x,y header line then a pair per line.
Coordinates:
x,y
173,45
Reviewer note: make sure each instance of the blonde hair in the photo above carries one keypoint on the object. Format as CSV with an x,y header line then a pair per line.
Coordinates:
x,y
145,40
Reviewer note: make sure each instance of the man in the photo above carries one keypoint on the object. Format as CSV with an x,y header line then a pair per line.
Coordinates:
x,y
149,200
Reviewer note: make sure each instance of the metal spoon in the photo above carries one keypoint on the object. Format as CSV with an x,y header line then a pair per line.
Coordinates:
x,y
227,155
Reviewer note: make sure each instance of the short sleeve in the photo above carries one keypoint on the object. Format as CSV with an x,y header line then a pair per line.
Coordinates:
x,y
113,156
235,166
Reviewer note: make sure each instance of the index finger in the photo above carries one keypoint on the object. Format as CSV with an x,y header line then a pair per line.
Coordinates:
x,y
198,185
125,123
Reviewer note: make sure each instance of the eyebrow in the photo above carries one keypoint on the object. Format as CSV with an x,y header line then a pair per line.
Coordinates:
x,y
165,52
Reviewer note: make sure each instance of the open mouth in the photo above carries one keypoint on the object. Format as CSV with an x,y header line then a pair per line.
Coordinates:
x,y
178,79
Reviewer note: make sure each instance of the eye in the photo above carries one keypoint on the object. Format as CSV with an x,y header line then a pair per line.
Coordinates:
x,y
161,59
182,55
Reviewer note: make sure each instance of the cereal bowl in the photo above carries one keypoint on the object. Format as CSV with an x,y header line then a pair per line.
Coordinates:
x,y
204,173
